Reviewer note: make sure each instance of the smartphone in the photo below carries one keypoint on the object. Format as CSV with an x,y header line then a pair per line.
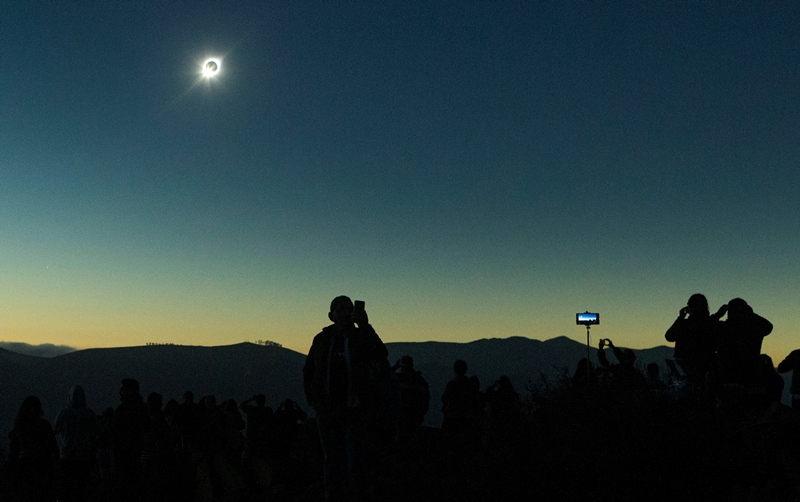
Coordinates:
x,y
587,318
358,306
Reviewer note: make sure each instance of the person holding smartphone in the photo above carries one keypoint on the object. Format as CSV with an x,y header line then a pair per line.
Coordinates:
x,y
336,381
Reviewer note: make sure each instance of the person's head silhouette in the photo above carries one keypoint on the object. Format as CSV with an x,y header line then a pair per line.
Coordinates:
x,y
698,304
341,313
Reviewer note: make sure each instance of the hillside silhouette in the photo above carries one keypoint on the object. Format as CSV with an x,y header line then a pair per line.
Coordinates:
x,y
567,442
242,370
238,371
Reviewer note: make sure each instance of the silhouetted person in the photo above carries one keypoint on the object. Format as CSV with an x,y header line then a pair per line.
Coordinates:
x,y
694,333
211,442
233,426
283,435
480,403
127,435
188,419
460,402
770,382
739,343
623,376
105,459
155,444
171,410
502,402
585,375
336,380
33,453
177,471
384,415
654,381
414,395
76,430
221,444
259,418
210,425
156,448
792,363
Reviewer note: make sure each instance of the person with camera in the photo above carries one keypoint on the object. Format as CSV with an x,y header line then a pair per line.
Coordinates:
x,y
336,381
739,343
623,376
694,333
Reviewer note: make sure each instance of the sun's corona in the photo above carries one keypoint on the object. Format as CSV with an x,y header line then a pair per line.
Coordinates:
x,y
211,67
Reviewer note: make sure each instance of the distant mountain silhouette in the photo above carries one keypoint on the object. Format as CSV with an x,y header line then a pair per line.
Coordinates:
x,y
523,360
233,371
242,370
43,349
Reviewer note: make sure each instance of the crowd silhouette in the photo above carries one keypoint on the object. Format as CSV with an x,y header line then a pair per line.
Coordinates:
x,y
672,431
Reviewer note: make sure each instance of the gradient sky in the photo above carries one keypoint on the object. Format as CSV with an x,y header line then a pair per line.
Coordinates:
x,y
469,169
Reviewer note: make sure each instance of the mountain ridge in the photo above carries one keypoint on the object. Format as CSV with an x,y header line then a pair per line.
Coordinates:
x,y
241,370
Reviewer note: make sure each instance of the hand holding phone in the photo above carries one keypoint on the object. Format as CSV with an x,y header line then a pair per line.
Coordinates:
x,y
359,313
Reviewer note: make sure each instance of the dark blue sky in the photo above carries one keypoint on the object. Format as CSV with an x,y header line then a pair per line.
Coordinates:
x,y
470,169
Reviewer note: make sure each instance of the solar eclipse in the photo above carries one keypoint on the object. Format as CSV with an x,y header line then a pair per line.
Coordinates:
x,y
211,67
